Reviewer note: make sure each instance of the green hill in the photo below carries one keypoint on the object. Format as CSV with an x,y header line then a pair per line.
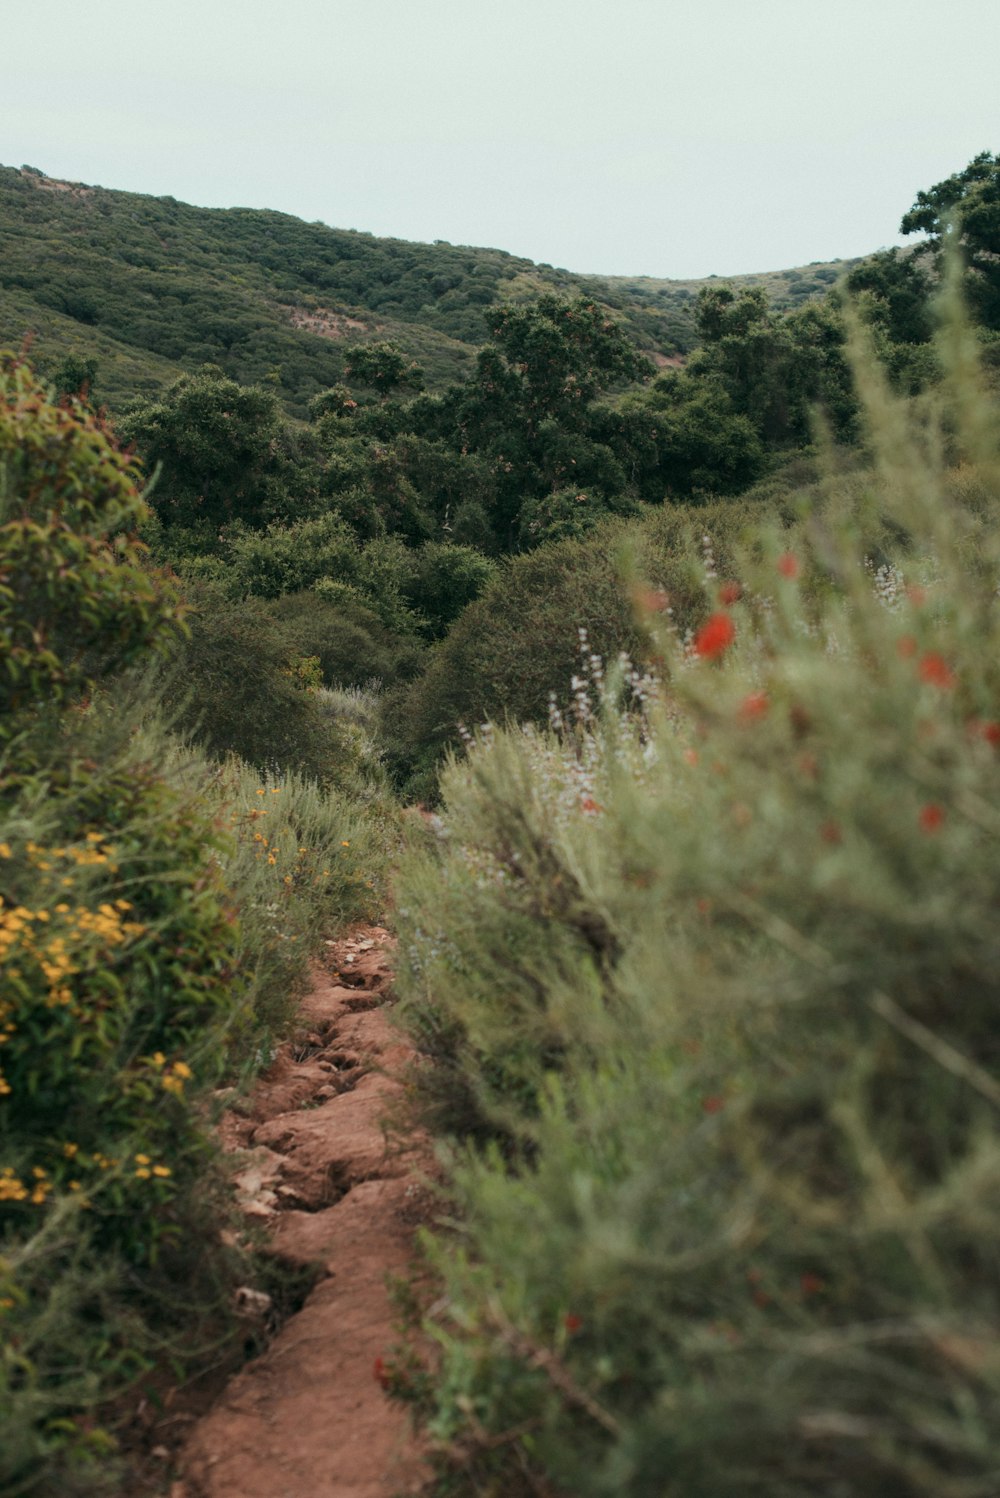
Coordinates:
x,y
151,287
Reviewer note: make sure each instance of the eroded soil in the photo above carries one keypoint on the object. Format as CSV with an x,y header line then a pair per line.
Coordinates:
x,y
308,1418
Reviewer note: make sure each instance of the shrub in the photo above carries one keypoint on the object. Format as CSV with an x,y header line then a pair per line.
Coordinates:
x,y
713,984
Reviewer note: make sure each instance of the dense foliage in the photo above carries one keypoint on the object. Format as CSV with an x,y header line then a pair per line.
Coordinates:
x,y
152,937
151,288
708,974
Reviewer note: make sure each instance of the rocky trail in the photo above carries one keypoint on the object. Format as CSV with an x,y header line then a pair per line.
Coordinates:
x,y
308,1418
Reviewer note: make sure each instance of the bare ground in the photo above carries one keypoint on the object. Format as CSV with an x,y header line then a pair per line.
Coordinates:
x,y
308,1418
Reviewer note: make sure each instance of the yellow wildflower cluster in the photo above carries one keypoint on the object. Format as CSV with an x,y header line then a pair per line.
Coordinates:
x,y
36,1188
173,1075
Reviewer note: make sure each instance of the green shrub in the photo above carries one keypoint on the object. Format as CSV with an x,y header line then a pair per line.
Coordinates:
x,y
240,693
712,983
68,503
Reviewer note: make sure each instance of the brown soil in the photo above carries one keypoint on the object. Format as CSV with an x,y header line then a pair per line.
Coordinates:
x,y
308,1418
326,324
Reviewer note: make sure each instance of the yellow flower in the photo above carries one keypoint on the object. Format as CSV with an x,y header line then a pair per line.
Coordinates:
x,y
181,1069
142,1159
5,850
276,790
271,858
143,1173
261,791
344,845
162,1171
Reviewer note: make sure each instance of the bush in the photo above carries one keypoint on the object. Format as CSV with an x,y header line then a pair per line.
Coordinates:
x,y
712,982
519,644
240,693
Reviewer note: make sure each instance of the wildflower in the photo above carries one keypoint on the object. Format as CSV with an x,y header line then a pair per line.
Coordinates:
x,y
653,600
261,791
142,1160
181,1069
906,646
730,592
934,670
162,1171
691,756
713,1104
588,804
931,817
572,1323
5,850
271,858
381,1373
788,565
916,595
715,636
276,790
811,1284
830,832
345,845
753,706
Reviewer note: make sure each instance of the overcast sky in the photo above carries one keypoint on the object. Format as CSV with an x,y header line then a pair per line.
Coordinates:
x,y
655,137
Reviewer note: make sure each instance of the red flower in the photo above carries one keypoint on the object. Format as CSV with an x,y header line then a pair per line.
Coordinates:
x,y
811,1284
715,636
916,595
931,817
572,1323
730,592
713,1104
935,670
691,756
381,1373
788,565
588,804
754,706
977,729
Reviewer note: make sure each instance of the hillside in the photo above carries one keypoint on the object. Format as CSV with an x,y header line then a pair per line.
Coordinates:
x,y
151,287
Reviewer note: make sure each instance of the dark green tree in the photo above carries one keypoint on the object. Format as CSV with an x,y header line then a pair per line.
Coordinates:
x,y
966,205
382,367
220,452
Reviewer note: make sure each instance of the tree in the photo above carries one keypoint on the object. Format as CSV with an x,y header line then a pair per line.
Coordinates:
x,y
222,452
966,205
383,367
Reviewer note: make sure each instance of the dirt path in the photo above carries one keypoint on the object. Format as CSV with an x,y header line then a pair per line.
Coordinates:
x,y
308,1419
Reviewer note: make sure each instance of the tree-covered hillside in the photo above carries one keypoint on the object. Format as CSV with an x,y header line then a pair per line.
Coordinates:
x,y
150,287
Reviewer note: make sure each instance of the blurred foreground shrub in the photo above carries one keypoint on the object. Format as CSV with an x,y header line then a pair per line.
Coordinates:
x,y
709,974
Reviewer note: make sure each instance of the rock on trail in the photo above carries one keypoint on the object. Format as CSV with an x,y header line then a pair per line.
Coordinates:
x,y
307,1419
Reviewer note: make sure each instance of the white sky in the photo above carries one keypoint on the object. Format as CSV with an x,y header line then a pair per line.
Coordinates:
x,y
656,137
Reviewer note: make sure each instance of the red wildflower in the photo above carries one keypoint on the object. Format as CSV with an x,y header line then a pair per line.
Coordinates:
x,y
811,1284
691,756
935,670
730,592
931,817
916,595
572,1323
715,636
588,804
754,706
977,729
381,1373
713,1104
906,646
788,565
